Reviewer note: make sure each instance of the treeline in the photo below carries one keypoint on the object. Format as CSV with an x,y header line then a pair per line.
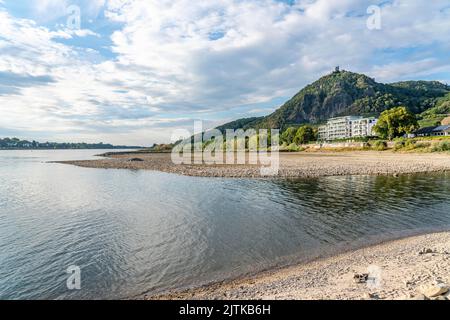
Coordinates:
x,y
290,139
15,143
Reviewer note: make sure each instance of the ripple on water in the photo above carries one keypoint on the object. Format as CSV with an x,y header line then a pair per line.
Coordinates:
x,y
133,232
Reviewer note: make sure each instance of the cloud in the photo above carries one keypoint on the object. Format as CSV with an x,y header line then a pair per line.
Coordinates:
x,y
70,33
51,10
405,70
10,83
171,61
260,49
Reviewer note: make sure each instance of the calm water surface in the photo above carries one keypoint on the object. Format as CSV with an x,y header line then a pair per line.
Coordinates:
x,y
136,232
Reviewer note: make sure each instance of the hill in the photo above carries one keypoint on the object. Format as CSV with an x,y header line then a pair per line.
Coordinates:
x,y
346,93
434,115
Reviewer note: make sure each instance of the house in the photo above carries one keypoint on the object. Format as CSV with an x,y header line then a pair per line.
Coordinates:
x,y
363,127
442,131
433,131
347,128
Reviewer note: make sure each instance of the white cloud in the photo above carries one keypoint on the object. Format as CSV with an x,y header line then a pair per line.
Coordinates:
x,y
267,48
49,10
182,59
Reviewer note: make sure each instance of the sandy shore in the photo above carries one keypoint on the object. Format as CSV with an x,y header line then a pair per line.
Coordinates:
x,y
301,165
412,268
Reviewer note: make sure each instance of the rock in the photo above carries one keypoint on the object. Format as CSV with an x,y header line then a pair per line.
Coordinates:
x,y
373,296
361,278
440,298
419,297
426,251
435,290
135,160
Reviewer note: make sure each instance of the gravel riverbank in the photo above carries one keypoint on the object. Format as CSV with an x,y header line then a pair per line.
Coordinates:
x,y
411,268
292,165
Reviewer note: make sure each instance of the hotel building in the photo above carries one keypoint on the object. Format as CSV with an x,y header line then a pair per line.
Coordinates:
x,y
347,128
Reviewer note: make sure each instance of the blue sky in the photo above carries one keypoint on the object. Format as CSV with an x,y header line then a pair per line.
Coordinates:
x,y
133,70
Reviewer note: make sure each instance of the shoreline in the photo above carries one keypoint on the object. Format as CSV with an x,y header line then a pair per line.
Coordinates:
x,y
292,165
406,268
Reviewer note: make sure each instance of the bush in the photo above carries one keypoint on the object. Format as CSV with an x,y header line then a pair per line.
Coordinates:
x,y
305,134
399,145
380,145
441,146
422,145
410,145
294,148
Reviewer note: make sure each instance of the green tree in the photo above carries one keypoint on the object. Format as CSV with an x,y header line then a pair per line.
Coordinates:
x,y
288,135
305,134
395,123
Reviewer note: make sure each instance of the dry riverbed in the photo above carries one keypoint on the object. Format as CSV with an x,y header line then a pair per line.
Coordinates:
x,y
302,165
412,268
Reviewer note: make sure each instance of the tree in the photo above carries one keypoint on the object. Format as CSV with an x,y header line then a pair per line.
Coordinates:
x,y
395,122
305,134
288,135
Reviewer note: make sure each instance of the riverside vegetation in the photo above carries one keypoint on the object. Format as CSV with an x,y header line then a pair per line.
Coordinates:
x,y
392,129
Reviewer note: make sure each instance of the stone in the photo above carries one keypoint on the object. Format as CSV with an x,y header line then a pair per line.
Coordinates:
x,y
361,278
135,160
426,251
435,290
372,296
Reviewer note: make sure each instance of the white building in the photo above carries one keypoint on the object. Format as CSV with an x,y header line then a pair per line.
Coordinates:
x,y
347,128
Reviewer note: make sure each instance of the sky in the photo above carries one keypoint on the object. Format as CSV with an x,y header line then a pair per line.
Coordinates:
x,y
133,71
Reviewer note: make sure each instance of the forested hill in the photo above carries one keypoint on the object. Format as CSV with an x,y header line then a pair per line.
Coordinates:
x,y
346,93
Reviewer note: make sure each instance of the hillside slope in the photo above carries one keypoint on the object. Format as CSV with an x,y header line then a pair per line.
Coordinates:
x,y
347,93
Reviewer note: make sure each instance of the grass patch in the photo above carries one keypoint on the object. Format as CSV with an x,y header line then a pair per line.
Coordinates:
x,y
441,146
291,148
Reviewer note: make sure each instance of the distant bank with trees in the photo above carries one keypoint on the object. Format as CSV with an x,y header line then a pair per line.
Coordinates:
x,y
17,144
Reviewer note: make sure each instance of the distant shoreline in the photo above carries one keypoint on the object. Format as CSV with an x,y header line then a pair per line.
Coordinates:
x,y
292,165
406,268
47,149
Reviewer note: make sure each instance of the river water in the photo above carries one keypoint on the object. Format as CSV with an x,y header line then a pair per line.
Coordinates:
x,y
136,232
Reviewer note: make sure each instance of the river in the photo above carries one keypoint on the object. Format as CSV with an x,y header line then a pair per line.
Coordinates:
x,y
137,232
